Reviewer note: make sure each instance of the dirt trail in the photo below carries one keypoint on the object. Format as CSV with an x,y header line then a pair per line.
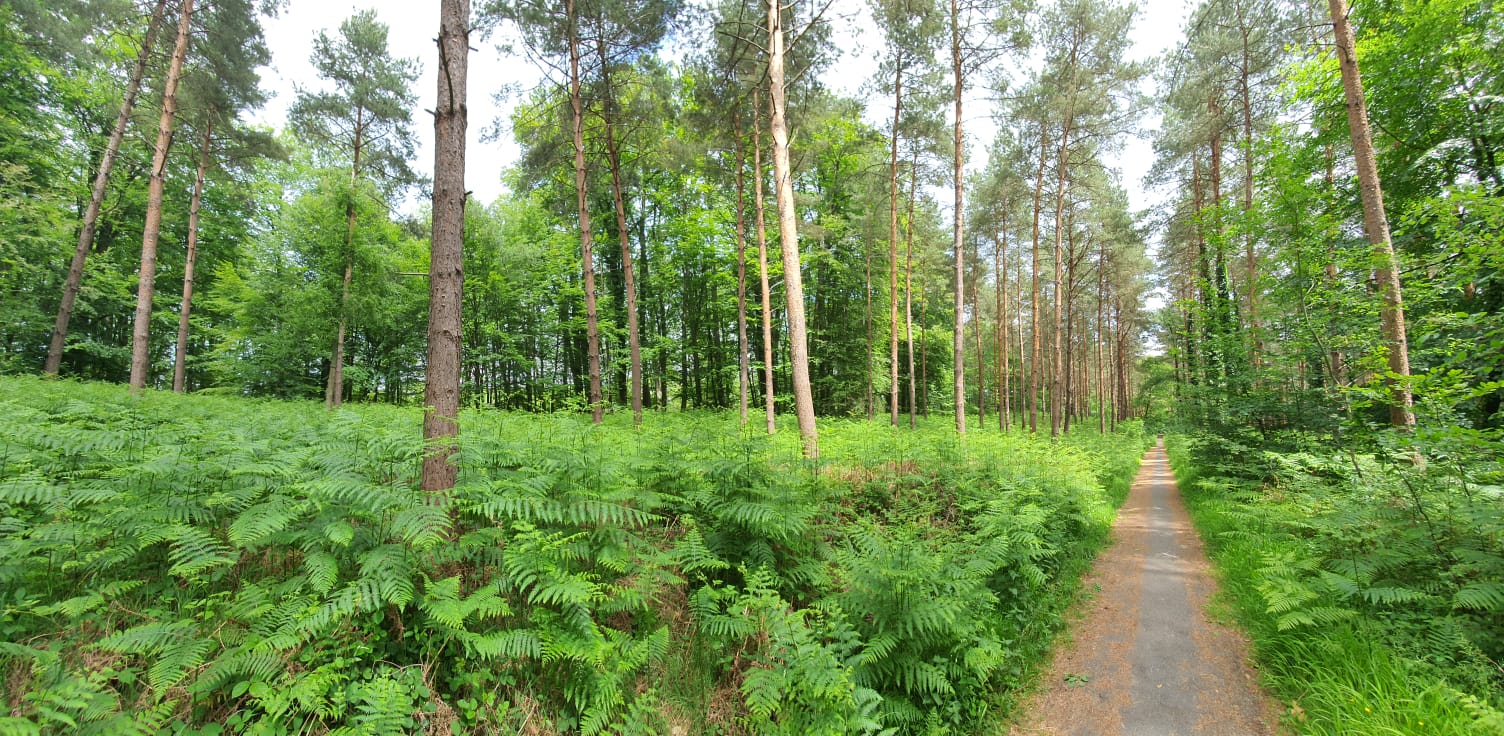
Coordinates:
x,y
1146,660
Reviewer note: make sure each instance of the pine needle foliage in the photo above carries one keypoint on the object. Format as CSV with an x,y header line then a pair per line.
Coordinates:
x,y
202,564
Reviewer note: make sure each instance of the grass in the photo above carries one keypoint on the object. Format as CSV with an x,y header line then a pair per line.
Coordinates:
x,y
1337,677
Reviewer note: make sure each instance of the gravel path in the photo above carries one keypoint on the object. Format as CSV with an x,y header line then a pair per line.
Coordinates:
x,y
1145,659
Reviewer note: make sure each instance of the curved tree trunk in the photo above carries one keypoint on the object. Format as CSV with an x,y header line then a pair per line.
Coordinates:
x,y
180,358
96,195
152,231
446,280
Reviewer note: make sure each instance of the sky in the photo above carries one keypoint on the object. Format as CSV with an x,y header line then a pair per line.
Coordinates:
x,y
414,27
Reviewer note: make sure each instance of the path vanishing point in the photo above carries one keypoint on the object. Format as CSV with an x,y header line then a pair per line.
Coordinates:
x,y
1146,659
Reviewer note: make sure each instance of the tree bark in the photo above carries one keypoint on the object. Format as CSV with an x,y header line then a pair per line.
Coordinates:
x,y
788,236
587,247
1057,392
893,245
1375,222
446,281
1035,384
96,195
152,230
959,222
180,357
334,392
634,339
762,268
1101,303
743,375
999,267
908,283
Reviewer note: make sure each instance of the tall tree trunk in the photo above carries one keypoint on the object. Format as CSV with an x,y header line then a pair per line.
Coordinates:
x,y
908,282
893,245
180,357
871,341
788,237
634,338
768,360
1375,222
976,330
959,221
924,354
96,195
1252,264
587,247
1057,390
334,391
1035,386
999,266
743,376
446,280
1101,303
1335,356
152,231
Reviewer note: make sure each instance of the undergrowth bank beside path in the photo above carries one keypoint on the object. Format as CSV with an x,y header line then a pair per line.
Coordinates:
x,y
1373,591
207,565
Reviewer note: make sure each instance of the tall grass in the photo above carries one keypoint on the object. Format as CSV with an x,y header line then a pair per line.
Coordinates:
x,y
1349,640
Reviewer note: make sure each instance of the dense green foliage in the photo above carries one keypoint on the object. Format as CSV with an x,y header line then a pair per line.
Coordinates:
x,y
191,563
1374,591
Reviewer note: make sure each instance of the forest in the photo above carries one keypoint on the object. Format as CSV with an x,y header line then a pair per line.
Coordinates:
x,y
754,403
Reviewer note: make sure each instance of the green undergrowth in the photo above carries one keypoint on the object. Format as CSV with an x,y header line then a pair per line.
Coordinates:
x,y
211,565
1372,588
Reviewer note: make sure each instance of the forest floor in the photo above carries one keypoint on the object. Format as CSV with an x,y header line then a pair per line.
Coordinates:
x,y
1145,658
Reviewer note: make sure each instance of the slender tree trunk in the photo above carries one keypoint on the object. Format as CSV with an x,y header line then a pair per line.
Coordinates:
x,y
893,246
762,268
908,282
1035,386
1375,222
96,195
999,267
743,375
788,237
871,341
446,281
1335,356
924,354
334,391
152,231
1101,303
1252,273
1057,392
634,338
959,221
1018,327
180,357
976,330
587,249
